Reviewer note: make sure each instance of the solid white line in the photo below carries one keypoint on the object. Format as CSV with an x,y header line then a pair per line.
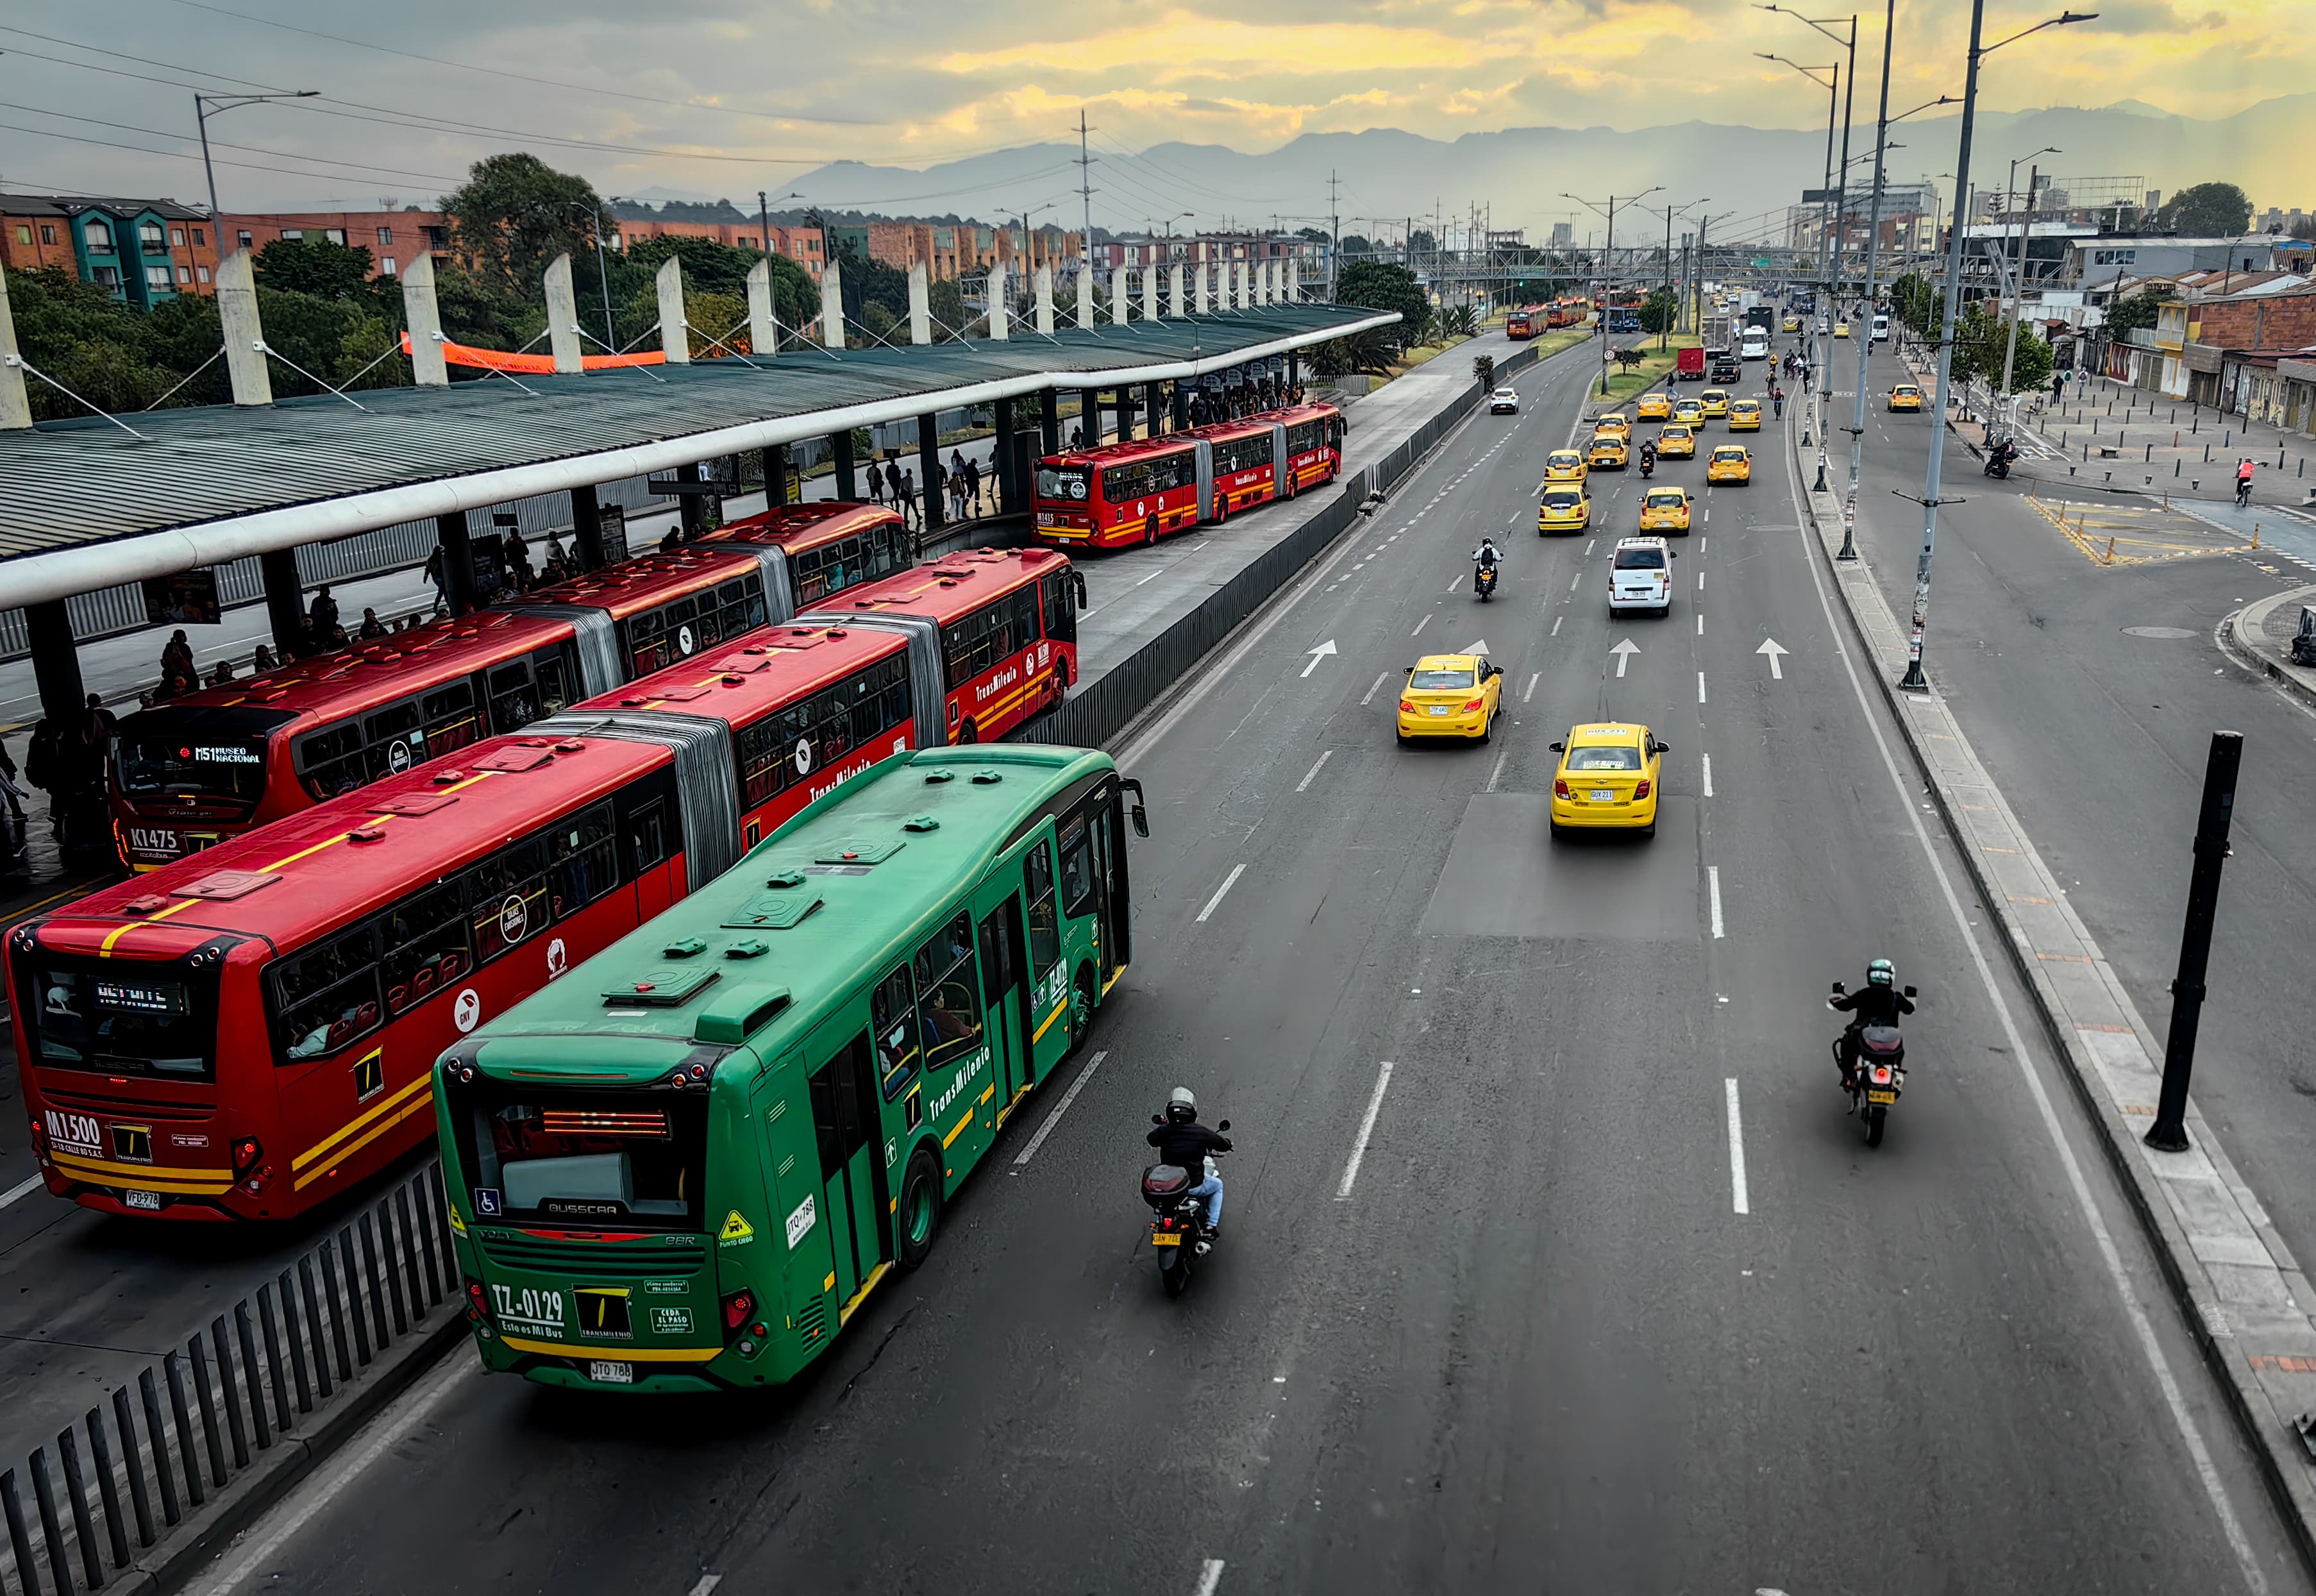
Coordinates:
x,y
1737,1199
1700,687
1061,1108
1713,886
1537,676
1216,902
708,1582
416,1407
23,1187
1420,626
2246,1562
1305,784
1366,1129
1374,688
1209,1577
1707,758
1497,774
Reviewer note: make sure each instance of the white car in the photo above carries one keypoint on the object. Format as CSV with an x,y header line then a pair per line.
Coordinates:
x,y
1823,326
1504,401
1640,575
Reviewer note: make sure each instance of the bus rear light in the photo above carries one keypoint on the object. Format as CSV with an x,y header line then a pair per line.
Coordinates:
x,y
478,1305
737,1308
246,1151
39,1140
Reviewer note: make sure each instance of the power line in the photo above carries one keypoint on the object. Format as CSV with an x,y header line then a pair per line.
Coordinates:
x,y
170,154
258,149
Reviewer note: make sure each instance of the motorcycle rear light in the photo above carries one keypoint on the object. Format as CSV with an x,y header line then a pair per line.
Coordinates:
x,y
1882,1075
737,1308
1641,790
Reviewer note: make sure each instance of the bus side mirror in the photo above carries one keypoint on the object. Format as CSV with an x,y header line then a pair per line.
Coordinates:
x,y
1077,579
1558,747
1137,814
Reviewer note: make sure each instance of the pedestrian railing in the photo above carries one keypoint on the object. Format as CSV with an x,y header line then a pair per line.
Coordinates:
x,y
162,1460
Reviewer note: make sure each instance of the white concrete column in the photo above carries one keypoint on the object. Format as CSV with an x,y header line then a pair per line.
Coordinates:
x,y
1175,291
1271,291
997,291
1150,292
15,404
1246,285
1085,293
1205,272
1295,280
674,332
1046,298
563,317
245,360
419,309
921,304
1120,301
832,305
763,314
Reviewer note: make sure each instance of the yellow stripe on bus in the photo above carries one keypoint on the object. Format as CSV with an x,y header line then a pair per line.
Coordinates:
x,y
556,1348
867,1286
1106,985
1038,1035
321,1147
419,1105
104,949
103,1172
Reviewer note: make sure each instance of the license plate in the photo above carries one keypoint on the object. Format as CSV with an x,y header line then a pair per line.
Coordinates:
x,y
1874,1096
150,1201
1601,795
1166,1238
1439,710
612,1374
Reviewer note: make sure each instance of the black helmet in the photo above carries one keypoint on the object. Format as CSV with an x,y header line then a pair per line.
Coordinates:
x,y
1181,1107
1880,973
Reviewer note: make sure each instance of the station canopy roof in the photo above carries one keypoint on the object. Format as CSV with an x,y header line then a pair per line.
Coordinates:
x,y
86,504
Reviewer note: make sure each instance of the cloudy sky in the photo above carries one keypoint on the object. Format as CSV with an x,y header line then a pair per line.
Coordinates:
x,y
726,97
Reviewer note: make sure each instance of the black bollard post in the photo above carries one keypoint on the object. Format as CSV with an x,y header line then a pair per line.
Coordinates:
x,y
2169,1134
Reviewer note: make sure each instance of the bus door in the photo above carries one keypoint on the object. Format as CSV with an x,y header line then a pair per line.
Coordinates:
x,y
1049,977
852,1197
1005,986
1088,851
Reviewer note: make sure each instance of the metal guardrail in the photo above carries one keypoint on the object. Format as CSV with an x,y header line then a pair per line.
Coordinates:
x,y
204,1415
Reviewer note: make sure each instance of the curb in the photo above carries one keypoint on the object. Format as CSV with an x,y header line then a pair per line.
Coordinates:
x,y
2244,1298
2296,681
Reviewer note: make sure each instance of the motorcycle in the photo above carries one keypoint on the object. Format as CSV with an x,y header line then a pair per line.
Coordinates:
x,y
1177,1227
1877,1077
1999,458
1648,467
1484,582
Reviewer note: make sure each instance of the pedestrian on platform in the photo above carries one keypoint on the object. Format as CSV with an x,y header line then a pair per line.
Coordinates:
x,y
973,485
12,794
433,573
372,626
321,618
876,483
909,516
892,483
262,661
221,674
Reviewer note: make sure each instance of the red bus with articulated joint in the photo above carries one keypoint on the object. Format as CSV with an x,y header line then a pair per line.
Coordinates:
x,y
1525,323
1138,492
189,773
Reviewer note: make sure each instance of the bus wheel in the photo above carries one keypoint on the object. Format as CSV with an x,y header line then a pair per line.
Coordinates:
x,y
1081,1018
919,1214
1150,532
1287,486
969,733
1222,508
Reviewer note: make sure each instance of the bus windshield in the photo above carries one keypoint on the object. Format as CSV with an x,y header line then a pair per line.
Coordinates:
x,y
1063,482
202,753
122,1017
636,1158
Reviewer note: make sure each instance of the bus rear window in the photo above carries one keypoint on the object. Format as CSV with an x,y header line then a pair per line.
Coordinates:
x,y
1063,482
126,1018
636,1159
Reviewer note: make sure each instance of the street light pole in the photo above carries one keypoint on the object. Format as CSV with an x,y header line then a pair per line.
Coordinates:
x,y
2018,279
1606,261
206,106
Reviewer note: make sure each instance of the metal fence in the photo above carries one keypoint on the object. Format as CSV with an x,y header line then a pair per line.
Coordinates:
x,y
153,1467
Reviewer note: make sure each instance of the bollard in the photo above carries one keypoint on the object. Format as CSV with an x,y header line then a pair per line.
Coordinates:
x,y
2110,548
2150,454
2208,454
2169,1134
2175,466
2255,535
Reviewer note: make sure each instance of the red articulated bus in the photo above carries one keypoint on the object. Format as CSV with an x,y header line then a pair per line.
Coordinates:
x,y
1138,492
1001,623
196,1045
1522,325
191,772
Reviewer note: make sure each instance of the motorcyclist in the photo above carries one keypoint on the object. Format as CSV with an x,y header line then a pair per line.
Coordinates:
x,y
1649,455
1487,557
1879,1001
1184,1143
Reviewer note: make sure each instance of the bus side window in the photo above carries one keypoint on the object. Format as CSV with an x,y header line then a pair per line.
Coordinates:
x,y
580,855
892,1009
426,946
647,839
451,720
949,1006
327,996
512,706
1061,609
1077,866
1044,931
551,669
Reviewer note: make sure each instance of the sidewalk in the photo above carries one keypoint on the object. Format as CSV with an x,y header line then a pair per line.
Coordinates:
x,y
2260,638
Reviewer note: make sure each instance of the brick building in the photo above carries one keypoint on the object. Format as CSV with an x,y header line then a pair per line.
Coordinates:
x,y
949,250
394,238
2236,345
804,246
141,250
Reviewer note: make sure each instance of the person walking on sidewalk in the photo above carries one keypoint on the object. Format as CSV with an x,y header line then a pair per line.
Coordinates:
x,y
2058,386
875,484
892,483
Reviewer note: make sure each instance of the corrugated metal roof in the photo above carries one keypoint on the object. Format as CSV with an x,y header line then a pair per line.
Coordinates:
x,y
70,485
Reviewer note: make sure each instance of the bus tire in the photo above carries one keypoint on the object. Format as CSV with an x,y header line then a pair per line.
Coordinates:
x,y
1222,507
1080,1016
1150,532
969,733
918,1218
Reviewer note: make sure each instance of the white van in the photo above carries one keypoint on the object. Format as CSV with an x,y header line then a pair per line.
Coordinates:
x,y
1755,344
1640,575
1880,328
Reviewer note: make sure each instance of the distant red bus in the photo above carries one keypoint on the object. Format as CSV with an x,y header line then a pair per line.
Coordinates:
x,y
196,1045
1002,623
1137,493
192,771
1566,312
1524,324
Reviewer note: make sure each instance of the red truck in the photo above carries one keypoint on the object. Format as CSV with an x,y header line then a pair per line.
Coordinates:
x,y
1690,367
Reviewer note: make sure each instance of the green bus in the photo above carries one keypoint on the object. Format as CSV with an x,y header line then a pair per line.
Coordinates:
x,y
685,1164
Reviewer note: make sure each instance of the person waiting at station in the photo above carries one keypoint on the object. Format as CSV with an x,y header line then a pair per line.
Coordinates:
x,y
372,626
221,674
262,661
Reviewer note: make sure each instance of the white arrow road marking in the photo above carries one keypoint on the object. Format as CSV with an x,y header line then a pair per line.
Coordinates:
x,y
1775,651
1318,653
1477,646
1623,652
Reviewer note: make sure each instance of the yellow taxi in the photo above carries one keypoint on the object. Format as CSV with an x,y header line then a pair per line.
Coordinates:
x,y
1744,416
1609,777
1730,462
1715,401
1841,329
1906,395
1565,508
1677,438
1687,413
1565,465
1608,449
1450,695
1665,510
1653,407
1793,323
1615,423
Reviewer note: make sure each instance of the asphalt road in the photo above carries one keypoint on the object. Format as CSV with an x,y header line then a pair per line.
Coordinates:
x,y
1511,1319
2091,692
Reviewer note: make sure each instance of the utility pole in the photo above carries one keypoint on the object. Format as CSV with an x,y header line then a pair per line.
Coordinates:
x,y
1335,226
2169,1134
1085,190
1873,239
2018,296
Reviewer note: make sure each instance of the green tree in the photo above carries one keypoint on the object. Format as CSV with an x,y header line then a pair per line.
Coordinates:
x,y
1461,322
1484,371
1658,312
1370,350
2207,210
1979,343
314,266
946,301
1378,285
513,214
1916,303
2142,309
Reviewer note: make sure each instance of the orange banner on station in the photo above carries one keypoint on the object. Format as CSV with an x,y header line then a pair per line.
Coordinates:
x,y
539,365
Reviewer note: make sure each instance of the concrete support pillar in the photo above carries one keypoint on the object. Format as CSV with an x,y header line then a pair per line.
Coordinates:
x,y
691,509
1120,301
674,331
1049,421
1004,455
425,322
921,305
1175,291
779,461
285,601
1246,285
931,499
16,403
763,314
1182,407
244,334
1085,293
1089,418
832,305
1125,413
1046,298
56,663
586,527
563,318
1001,302
458,561
848,485
1295,281
1205,272
1150,293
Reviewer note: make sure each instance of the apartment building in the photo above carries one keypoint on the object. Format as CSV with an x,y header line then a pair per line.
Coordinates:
x,y
142,251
